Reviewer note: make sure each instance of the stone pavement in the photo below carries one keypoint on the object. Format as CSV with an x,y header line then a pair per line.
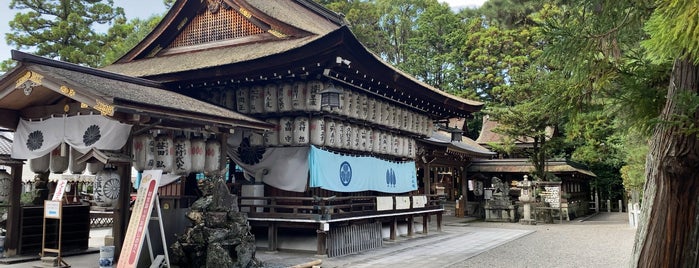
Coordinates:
x,y
460,239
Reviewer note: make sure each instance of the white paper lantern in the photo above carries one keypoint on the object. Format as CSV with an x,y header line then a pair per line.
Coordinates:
x,y
58,164
379,112
242,99
340,139
406,118
286,131
417,122
301,131
347,99
105,189
183,157
398,123
371,110
197,154
164,153
348,136
40,164
143,149
212,163
229,100
362,107
384,149
386,113
73,166
354,138
318,131
271,137
370,139
271,102
397,145
313,89
285,92
94,167
5,185
412,148
257,99
330,133
395,116
430,128
298,96
363,139
411,120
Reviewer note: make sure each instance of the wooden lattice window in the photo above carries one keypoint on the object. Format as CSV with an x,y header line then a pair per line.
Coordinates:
x,y
225,23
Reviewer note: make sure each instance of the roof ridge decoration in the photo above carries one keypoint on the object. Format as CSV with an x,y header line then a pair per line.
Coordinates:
x,y
195,25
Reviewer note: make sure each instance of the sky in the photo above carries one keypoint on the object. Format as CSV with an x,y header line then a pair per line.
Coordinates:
x,y
144,9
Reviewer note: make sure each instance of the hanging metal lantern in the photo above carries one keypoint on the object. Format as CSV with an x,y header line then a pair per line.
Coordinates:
x,y
271,101
105,188
313,97
94,167
286,131
271,138
301,131
40,164
330,133
318,131
257,99
164,153
143,148
197,154
285,103
183,157
59,160
333,98
212,163
5,185
242,99
298,96
73,166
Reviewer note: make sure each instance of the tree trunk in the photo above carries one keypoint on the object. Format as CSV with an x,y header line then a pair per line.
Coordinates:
x,y
669,232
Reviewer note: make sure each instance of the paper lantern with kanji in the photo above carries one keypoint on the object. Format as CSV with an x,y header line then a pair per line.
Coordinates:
x,y
363,138
242,99
340,134
164,153
301,131
354,138
313,89
40,164
183,158
58,163
298,96
143,152
212,163
347,102
370,139
197,154
362,106
73,166
257,99
330,133
318,131
286,131
371,110
285,91
105,189
271,102
384,136
271,137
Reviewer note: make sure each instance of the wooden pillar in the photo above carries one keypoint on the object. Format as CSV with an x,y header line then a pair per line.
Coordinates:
x,y
122,212
13,213
426,180
464,191
394,229
425,227
411,220
322,247
272,236
439,221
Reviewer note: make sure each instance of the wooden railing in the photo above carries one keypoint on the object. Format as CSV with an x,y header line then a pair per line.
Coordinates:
x,y
324,208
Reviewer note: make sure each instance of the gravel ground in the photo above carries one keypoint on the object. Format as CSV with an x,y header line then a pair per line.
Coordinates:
x,y
601,241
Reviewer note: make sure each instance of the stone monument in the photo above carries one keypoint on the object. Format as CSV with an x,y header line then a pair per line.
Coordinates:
x,y
526,198
499,207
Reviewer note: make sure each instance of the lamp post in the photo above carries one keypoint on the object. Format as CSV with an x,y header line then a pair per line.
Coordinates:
x,y
526,198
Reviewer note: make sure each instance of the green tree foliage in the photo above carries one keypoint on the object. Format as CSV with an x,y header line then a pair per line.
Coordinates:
x,y
124,37
65,29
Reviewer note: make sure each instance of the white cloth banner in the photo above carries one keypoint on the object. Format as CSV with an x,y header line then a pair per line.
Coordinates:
x,y
287,167
82,132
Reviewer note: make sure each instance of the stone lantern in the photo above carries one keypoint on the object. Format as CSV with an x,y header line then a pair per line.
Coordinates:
x,y
526,197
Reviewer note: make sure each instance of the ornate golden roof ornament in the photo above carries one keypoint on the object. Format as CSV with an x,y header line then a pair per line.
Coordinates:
x,y
28,81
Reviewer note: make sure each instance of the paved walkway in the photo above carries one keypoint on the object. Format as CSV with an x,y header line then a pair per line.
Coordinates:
x,y
463,243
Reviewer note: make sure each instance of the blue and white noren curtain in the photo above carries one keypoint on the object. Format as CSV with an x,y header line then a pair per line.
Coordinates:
x,y
83,132
340,173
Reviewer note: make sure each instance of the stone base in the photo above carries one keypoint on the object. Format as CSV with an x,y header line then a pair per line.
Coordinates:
x,y
527,222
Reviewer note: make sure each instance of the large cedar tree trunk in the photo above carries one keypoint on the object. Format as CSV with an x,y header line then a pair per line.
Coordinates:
x,y
669,232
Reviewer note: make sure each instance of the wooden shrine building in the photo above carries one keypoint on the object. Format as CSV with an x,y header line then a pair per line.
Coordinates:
x,y
258,77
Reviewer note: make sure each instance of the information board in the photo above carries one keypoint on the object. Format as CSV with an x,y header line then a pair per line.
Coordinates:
x,y
52,209
140,217
552,196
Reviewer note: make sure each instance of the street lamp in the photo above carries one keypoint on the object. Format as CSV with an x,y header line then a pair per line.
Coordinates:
x,y
330,96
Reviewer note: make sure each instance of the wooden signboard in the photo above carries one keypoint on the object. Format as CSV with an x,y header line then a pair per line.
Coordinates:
x,y
140,217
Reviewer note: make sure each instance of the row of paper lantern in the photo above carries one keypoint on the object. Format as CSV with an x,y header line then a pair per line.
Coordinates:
x,y
60,162
304,96
180,155
326,132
